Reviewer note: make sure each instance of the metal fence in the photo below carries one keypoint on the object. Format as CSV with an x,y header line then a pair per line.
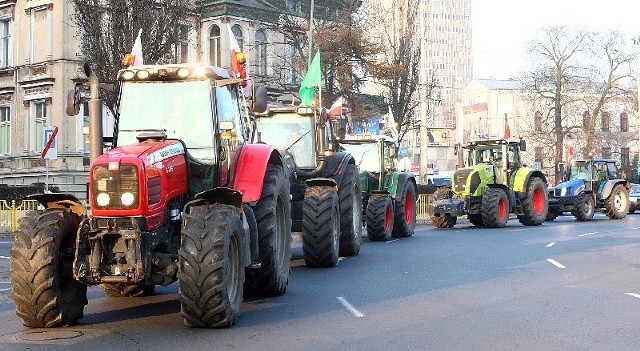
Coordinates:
x,y
10,212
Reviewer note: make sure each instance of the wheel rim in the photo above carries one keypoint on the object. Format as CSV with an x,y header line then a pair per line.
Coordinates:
x,y
388,215
234,269
409,206
587,206
538,201
618,202
502,209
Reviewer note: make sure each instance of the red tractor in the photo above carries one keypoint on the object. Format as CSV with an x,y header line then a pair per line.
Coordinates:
x,y
181,195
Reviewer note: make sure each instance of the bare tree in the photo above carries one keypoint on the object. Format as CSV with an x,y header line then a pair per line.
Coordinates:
x,y
570,85
107,30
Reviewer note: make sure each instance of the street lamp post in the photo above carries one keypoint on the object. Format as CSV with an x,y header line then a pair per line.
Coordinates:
x,y
423,96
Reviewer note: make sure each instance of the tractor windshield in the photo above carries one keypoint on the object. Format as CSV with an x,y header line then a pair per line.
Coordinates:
x,y
366,155
181,109
484,154
290,133
580,170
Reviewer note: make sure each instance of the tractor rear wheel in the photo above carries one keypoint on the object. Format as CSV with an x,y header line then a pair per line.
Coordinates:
x,y
495,208
379,217
535,204
443,221
273,217
320,227
44,290
404,220
350,212
617,204
212,267
584,207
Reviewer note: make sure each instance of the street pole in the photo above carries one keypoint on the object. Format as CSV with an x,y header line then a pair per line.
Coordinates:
x,y
310,34
424,96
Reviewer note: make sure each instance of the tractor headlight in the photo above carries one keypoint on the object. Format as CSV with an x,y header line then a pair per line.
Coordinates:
x,y
127,199
563,192
103,199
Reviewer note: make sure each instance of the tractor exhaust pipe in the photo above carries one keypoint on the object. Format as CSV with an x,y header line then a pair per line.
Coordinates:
x,y
95,116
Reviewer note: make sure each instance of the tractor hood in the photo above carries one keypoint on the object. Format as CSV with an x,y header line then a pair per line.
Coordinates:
x,y
569,188
149,152
466,181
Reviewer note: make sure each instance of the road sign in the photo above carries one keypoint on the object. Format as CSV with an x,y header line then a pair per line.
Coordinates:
x,y
50,151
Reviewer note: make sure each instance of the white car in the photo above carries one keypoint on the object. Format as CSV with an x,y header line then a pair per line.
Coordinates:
x,y
634,198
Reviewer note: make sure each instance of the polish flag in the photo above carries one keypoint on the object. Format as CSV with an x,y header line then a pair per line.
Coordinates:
x,y
507,132
237,66
336,108
136,51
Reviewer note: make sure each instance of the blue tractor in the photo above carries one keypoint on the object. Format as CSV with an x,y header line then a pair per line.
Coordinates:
x,y
587,186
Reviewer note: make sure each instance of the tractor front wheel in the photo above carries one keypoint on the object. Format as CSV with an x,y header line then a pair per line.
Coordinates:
x,y
379,217
584,207
320,227
495,208
404,221
212,268
44,290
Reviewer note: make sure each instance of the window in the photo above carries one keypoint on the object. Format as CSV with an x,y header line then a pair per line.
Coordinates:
x,y
624,156
5,130
294,6
606,152
539,152
237,32
624,122
290,74
182,44
215,53
38,119
5,44
604,121
538,121
261,53
586,120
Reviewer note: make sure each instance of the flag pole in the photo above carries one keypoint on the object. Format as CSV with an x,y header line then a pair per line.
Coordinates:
x,y
310,33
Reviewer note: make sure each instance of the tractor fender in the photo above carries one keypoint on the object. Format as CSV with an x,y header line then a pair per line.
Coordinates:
x,y
251,167
522,178
608,187
59,200
336,165
403,178
321,182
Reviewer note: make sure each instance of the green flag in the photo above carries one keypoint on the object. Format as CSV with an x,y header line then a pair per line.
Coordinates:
x,y
311,80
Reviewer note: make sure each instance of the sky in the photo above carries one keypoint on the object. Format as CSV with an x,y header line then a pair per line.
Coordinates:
x,y
502,28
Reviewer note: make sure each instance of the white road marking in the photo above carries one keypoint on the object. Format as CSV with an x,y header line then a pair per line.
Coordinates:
x,y
587,234
550,244
11,242
633,294
390,241
635,228
5,257
3,290
350,308
555,263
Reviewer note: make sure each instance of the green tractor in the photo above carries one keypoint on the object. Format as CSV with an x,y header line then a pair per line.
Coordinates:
x,y
494,184
388,195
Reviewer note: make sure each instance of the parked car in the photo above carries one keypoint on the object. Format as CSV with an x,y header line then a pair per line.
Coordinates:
x,y
433,183
634,198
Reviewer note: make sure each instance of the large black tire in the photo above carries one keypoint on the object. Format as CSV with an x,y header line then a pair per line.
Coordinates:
x,y
443,221
495,208
44,291
273,216
379,217
535,204
128,290
476,219
320,227
211,259
632,207
404,220
617,204
350,197
584,207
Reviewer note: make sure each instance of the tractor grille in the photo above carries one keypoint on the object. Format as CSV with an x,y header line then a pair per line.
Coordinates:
x,y
114,184
460,180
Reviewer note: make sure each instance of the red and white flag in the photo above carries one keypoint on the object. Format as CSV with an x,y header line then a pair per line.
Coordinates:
x,y
236,65
336,108
136,51
507,132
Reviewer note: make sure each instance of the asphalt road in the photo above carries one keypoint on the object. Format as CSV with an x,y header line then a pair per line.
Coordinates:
x,y
561,286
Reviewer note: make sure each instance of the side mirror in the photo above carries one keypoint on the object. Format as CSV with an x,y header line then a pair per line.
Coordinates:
x,y
340,127
523,145
562,168
392,152
259,99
